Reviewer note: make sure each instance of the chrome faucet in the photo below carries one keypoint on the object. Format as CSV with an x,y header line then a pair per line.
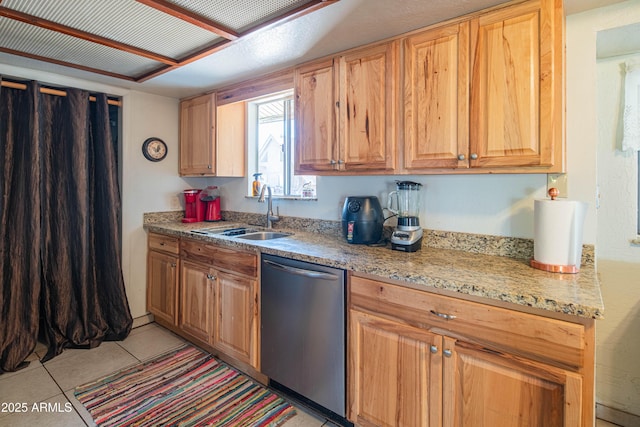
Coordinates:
x,y
270,216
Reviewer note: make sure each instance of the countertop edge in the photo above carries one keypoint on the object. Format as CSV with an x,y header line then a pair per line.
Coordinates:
x,y
554,291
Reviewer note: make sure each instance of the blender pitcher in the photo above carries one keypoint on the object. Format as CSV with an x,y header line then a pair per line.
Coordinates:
x,y
407,236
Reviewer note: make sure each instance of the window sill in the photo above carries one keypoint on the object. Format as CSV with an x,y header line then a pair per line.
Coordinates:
x,y
300,198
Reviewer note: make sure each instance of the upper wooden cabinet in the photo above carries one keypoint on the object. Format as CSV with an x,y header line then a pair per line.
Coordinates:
x,y
207,149
487,93
197,135
436,98
517,90
346,112
231,139
316,98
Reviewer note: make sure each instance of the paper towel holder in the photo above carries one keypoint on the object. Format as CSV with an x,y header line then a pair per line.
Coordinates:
x,y
568,269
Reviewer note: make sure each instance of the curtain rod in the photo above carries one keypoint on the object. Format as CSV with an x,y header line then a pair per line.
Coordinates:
x,y
56,92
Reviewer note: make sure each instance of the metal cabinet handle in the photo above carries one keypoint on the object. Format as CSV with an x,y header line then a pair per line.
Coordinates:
x,y
211,277
332,162
447,353
474,156
173,265
461,157
434,349
445,316
340,162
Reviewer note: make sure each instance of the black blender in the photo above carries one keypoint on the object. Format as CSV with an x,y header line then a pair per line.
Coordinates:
x,y
407,236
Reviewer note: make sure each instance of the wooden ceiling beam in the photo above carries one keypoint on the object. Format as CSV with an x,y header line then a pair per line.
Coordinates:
x,y
292,14
190,17
66,64
169,64
186,60
73,32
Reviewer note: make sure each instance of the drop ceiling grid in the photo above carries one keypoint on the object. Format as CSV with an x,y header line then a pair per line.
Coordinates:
x,y
39,41
239,15
125,21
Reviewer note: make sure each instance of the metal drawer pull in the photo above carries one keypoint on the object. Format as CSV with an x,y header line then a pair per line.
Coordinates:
x,y
443,315
447,353
434,349
211,277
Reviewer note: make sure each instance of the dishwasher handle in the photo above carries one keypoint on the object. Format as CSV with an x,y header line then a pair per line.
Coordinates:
x,y
301,271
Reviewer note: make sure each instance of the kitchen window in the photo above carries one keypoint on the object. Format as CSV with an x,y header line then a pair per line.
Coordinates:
x,y
272,145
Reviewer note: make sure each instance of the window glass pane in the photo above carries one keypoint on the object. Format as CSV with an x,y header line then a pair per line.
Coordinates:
x,y
271,144
275,145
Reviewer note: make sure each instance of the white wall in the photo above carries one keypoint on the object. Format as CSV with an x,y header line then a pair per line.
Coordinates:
x,y
485,204
146,186
617,368
593,93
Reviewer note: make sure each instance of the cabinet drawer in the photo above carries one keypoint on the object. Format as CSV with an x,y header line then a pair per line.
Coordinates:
x,y
162,243
501,329
219,257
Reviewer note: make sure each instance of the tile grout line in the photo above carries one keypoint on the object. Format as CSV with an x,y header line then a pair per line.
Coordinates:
x,y
63,393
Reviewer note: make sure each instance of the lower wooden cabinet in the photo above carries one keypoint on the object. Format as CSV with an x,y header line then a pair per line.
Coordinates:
x,y
236,324
207,293
486,388
162,278
197,289
395,375
420,359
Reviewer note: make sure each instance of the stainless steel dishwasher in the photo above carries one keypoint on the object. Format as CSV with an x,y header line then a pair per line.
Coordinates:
x,y
303,330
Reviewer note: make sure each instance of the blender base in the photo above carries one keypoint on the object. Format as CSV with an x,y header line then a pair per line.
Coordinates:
x,y
413,247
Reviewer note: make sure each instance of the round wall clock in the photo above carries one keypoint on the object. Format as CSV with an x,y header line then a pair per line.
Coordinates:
x,y
154,149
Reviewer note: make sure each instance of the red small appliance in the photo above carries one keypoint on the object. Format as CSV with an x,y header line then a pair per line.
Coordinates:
x,y
211,199
194,209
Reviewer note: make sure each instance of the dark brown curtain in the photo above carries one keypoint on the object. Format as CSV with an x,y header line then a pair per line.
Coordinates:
x,y
60,249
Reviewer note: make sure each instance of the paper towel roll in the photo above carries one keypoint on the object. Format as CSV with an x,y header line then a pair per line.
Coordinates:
x,y
558,228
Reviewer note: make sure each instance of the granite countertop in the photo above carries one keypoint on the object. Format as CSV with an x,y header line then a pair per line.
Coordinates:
x,y
491,277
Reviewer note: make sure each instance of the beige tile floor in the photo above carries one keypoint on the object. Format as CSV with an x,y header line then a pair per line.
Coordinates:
x,y
53,382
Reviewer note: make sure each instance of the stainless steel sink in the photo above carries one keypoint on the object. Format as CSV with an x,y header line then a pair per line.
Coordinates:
x,y
264,235
224,231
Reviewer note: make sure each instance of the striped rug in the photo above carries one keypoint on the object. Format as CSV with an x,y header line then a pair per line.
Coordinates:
x,y
186,387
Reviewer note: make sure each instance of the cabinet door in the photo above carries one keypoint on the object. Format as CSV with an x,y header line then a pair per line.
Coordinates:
x,y
197,135
231,140
197,283
236,325
486,388
395,373
517,87
368,116
315,117
436,98
162,286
